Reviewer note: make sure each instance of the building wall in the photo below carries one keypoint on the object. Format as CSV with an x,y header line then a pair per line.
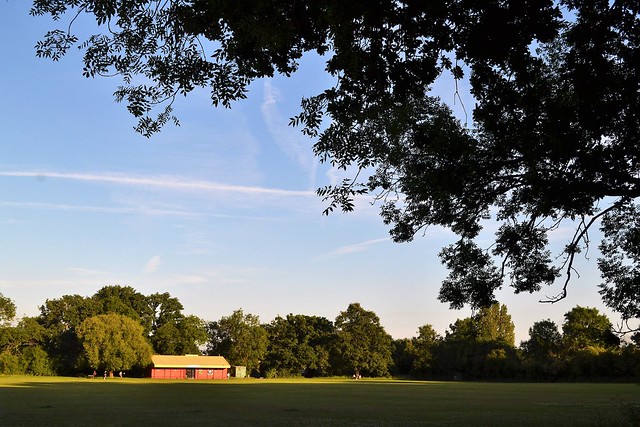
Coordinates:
x,y
211,374
181,373
168,373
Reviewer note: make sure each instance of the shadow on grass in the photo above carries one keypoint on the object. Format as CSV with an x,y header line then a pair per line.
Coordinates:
x,y
57,401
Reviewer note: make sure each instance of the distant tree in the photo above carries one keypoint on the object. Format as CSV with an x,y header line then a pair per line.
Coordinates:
x,y
114,342
424,346
493,324
403,355
298,345
126,301
587,327
61,317
67,312
7,310
550,136
481,346
21,347
543,351
180,336
361,345
163,309
240,338
545,340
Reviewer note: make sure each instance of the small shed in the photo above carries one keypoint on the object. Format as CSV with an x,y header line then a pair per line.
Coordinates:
x,y
191,366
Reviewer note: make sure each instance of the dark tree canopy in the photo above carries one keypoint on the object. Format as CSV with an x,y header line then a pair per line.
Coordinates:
x,y
552,137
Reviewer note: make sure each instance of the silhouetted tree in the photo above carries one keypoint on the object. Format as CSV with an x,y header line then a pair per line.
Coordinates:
x,y
551,137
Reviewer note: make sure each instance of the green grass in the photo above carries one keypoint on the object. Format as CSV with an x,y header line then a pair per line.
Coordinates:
x,y
32,401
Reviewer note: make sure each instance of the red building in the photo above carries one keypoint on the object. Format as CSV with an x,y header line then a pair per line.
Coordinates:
x,y
190,366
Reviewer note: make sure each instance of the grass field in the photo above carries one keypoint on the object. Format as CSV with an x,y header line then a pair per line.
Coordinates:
x,y
31,401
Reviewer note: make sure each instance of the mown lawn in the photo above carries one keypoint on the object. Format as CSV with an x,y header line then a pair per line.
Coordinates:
x,y
33,401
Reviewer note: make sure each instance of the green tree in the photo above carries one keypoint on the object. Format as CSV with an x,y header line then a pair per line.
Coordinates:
x,y
424,346
114,342
403,356
7,310
298,345
240,338
587,327
493,324
545,340
362,346
61,317
181,336
126,301
550,137
480,346
543,351
22,348
163,309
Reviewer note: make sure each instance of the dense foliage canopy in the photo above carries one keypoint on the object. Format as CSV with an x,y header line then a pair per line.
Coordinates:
x,y
478,347
552,136
114,342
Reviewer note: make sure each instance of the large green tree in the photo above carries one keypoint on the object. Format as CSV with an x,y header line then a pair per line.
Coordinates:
x,y
7,310
181,336
114,342
362,346
22,348
479,346
424,346
545,340
298,345
551,136
126,301
240,338
61,318
587,327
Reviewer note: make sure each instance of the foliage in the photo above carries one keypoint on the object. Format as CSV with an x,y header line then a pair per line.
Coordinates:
x,y
481,346
542,352
163,309
298,345
126,301
240,338
22,349
7,310
620,261
361,345
181,336
114,342
424,346
552,136
585,327
544,340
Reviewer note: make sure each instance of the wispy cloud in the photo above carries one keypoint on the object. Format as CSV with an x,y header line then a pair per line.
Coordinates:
x,y
152,265
288,139
161,182
98,209
355,248
85,271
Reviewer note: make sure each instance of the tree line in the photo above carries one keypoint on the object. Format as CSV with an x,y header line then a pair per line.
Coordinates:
x,y
119,328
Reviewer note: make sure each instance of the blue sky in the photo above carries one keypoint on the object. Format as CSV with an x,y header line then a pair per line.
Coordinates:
x,y
220,212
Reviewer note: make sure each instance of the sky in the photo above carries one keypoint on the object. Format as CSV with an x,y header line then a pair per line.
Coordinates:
x,y
220,212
